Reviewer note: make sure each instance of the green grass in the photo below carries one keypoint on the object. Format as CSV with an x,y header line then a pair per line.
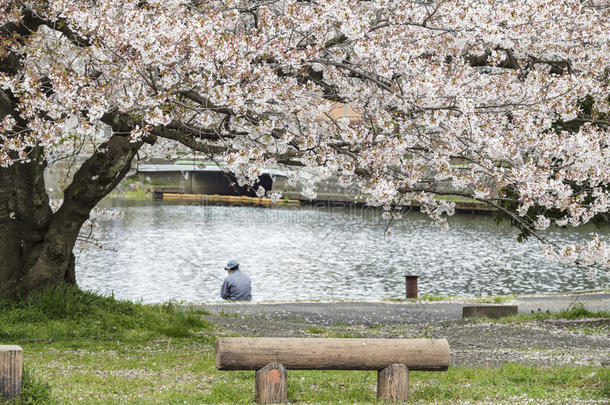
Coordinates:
x,y
229,314
75,340
317,330
135,188
34,390
67,315
82,348
574,311
131,194
500,299
139,194
511,381
432,298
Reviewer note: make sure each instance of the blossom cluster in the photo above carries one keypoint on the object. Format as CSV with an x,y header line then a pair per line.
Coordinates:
x,y
508,101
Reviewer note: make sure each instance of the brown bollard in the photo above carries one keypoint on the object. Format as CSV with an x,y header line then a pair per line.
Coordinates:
x,y
393,383
411,286
11,370
271,384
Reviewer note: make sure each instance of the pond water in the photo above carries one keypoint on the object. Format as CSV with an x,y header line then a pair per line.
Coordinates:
x,y
156,252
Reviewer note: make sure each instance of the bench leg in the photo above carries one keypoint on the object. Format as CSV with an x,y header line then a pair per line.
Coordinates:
x,y
271,384
11,369
393,383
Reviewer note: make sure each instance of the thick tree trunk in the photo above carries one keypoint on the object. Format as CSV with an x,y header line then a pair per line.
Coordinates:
x,y
24,218
35,244
46,245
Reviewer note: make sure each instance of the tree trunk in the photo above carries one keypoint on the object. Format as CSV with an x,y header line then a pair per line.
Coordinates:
x,y
24,219
36,245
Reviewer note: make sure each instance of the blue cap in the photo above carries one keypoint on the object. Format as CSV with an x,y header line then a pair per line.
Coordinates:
x,y
232,264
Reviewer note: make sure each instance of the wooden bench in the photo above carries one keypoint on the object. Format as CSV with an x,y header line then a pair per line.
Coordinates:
x,y
271,357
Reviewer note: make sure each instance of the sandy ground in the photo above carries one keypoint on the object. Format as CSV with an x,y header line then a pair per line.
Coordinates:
x,y
473,342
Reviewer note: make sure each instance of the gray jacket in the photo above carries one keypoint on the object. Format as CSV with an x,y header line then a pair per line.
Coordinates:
x,y
236,287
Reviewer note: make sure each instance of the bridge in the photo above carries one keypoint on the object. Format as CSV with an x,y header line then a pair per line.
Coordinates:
x,y
205,177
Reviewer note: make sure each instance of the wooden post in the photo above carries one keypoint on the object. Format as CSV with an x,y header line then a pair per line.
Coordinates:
x,y
271,384
411,286
11,369
393,383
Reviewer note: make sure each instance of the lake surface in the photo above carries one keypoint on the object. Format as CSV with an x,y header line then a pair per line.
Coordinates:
x,y
156,252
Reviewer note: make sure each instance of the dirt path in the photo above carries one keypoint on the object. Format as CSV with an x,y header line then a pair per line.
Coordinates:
x,y
473,342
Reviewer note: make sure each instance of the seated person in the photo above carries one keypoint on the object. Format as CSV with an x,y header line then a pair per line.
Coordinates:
x,y
236,285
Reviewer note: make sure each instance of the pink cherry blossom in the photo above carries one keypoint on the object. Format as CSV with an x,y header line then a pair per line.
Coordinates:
x,y
506,101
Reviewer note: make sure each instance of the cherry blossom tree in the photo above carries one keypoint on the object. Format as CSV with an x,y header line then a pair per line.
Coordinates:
x,y
506,101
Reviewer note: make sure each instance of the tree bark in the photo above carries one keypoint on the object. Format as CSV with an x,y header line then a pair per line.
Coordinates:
x,y
35,244
98,175
24,217
10,250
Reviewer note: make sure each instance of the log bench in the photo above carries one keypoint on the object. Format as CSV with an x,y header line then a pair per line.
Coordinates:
x,y
271,357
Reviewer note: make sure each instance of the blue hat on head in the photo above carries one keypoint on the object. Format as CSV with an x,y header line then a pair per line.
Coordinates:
x,y
232,264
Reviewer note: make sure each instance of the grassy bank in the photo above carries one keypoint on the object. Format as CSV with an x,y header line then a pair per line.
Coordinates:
x,y
83,348
574,311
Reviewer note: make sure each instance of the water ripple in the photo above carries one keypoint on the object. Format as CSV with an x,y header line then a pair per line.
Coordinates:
x,y
311,253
